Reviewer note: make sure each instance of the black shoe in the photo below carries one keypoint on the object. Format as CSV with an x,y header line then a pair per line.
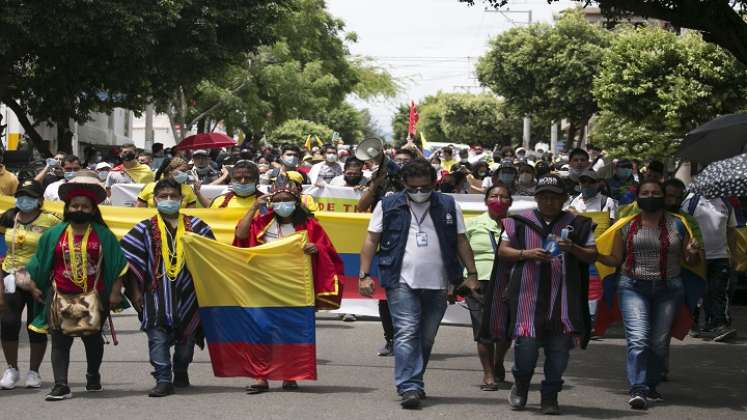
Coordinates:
x,y
181,380
654,396
387,350
93,383
410,400
59,393
550,406
161,390
517,398
638,401
724,333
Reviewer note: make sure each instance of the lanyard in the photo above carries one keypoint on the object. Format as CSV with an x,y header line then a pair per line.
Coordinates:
x,y
421,220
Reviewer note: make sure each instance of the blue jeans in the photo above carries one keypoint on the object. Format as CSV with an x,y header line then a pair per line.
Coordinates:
x,y
160,341
557,351
416,314
648,310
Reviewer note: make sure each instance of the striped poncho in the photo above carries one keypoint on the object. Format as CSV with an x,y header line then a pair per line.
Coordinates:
x,y
166,303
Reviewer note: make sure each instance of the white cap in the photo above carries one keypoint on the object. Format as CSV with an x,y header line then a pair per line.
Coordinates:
x,y
102,165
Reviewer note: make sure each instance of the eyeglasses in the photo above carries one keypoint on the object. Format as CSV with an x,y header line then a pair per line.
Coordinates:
x,y
419,190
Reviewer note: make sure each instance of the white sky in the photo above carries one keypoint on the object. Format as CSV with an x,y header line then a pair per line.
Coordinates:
x,y
428,45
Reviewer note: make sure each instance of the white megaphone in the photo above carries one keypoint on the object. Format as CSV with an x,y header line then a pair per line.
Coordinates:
x,y
369,149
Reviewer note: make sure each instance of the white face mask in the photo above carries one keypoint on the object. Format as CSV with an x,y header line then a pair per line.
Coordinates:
x,y
330,157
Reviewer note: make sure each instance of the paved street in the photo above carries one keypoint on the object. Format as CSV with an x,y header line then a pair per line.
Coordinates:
x,y
708,381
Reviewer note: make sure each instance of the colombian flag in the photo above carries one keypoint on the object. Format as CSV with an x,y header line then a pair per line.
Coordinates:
x,y
256,307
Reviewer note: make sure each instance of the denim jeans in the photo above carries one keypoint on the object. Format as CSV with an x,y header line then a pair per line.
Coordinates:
x,y
557,351
716,299
648,310
160,341
416,314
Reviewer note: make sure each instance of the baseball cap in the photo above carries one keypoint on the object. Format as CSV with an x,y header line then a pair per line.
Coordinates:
x,y
30,188
551,183
200,152
589,173
102,165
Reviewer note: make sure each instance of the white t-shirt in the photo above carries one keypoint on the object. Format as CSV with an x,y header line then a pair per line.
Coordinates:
x,y
274,233
51,193
325,170
714,217
487,182
118,177
422,266
599,202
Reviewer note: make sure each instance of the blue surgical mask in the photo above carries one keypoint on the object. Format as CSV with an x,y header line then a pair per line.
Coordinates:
x,y
284,208
290,161
181,177
69,175
168,207
243,190
27,204
588,191
103,175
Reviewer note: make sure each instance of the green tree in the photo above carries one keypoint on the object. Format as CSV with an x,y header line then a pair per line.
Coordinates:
x,y
655,83
721,22
295,131
61,60
547,70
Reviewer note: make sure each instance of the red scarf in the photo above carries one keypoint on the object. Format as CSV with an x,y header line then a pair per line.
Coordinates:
x,y
635,225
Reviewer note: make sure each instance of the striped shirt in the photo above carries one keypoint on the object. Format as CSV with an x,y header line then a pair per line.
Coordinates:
x,y
166,303
647,250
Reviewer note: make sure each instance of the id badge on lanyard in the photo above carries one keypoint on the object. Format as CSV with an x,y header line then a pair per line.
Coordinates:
x,y
421,238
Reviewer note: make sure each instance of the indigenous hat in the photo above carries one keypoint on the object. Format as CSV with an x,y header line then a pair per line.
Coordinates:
x,y
295,177
200,152
103,165
590,174
86,184
281,184
30,188
551,183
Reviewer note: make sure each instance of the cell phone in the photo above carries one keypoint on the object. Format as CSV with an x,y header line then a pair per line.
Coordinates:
x,y
52,162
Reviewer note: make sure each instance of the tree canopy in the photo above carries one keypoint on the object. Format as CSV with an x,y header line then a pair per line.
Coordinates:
x,y
61,60
547,70
720,21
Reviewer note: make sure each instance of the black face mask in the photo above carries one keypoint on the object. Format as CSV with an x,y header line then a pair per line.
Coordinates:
x,y
353,180
128,156
80,217
651,204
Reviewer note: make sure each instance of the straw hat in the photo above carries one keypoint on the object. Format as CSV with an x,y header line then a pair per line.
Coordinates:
x,y
85,183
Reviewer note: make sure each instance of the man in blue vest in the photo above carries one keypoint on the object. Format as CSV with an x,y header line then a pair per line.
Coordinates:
x,y
420,238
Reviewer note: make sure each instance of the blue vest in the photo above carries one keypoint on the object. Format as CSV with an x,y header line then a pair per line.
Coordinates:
x,y
396,228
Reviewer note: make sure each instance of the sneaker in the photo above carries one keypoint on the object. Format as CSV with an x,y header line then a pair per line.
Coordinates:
x,y
724,333
654,396
517,398
549,406
181,380
33,380
410,400
93,383
349,318
10,378
59,393
638,401
387,350
161,390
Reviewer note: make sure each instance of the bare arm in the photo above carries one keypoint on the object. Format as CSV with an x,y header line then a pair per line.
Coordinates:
x,y
42,174
370,244
224,175
510,254
242,228
616,256
369,195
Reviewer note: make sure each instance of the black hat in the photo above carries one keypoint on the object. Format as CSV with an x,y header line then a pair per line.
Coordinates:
x,y
551,183
30,188
589,173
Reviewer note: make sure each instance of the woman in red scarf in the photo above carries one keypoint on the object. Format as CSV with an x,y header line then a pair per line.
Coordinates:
x,y
286,217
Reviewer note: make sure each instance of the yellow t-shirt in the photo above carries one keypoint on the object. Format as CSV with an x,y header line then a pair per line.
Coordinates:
x,y
8,182
235,202
447,164
146,194
23,239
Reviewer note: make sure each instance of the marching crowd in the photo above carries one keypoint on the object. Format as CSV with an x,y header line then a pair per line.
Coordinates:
x,y
533,279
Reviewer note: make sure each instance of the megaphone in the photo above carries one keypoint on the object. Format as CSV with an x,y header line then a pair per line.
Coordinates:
x,y
369,149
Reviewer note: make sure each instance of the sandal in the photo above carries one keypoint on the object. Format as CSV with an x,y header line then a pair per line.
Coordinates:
x,y
489,387
290,385
257,389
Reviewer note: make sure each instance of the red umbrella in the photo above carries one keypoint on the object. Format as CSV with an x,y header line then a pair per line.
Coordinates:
x,y
205,141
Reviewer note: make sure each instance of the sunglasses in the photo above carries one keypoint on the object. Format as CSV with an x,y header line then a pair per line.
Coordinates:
x,y
419,190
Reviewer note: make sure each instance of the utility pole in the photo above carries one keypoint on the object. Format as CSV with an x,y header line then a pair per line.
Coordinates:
x,y
527,132
149,134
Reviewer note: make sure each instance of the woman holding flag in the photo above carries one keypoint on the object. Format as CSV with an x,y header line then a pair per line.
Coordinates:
x,y
287,216
651,251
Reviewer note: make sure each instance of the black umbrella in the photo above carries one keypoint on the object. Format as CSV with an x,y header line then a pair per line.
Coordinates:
x,y
725,178
717,139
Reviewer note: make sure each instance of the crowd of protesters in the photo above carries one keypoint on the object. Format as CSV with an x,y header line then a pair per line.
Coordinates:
x,y
528,278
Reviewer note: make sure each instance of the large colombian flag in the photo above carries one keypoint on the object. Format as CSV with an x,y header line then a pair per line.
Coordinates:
x,y
256,307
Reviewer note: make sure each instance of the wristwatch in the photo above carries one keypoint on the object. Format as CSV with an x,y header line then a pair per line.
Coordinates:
x,y
362,275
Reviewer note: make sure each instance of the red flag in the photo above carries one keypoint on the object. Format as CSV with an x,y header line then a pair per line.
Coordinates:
x,y
414,117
